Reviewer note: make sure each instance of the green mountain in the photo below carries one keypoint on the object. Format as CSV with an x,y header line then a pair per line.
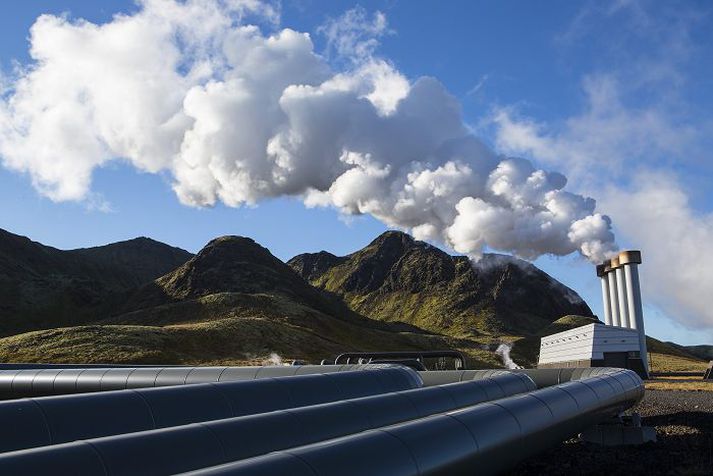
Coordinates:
x,y
233,302
141,301
704,352
233,264
398,279
41,286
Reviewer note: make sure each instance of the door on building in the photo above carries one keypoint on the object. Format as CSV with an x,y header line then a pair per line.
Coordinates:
x,y
616,359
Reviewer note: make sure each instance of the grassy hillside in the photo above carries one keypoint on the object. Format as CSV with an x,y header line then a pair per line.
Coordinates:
x,y
704,352
42,287
228,328
396,278
235,303
665,357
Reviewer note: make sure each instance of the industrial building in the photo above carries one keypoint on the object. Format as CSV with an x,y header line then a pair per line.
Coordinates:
x,y
593,345
621,340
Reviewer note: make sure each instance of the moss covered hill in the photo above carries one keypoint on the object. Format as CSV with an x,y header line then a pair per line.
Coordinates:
x,y
396,278
233,302
141,301
704,352
233,264
41,286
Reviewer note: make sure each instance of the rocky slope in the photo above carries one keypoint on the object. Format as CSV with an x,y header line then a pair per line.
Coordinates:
x,y
41,286
231,303
233,264
396,278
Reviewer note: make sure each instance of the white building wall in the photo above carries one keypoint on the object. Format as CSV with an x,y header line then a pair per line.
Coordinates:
x,y
587,342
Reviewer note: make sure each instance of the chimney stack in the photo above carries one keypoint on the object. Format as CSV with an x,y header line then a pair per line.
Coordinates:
x,y
621,293
630,261
610,267
602,273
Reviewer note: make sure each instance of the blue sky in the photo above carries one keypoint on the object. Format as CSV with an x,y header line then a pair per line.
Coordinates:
x,y
613,95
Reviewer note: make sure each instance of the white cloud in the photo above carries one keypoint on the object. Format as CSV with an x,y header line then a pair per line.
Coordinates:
x,y
237,116
631,144
606,140
354,35
628,157
677,242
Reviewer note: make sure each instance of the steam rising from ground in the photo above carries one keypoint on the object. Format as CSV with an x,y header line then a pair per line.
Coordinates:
x,y
273,359
503,351
235,115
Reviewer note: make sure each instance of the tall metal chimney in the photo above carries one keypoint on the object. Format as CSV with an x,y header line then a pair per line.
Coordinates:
x,y
601,272
621,294
610,266
630,261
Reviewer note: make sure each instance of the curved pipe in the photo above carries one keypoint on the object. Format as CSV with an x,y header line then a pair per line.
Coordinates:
x,y
486,438
154,452
53,381
52,420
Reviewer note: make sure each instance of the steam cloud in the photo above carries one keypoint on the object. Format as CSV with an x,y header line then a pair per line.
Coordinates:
x,y
503,351
235,115
273,359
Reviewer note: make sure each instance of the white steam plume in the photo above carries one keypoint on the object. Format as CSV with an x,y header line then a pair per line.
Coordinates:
x,y
503,351
273,359
236,116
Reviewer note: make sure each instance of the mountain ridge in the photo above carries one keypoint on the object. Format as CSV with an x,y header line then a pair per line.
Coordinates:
x,y
41,285
234,302
232,264
397,278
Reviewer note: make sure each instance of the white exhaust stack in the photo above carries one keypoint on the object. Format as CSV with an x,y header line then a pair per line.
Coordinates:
x,y
602,273
630,261
621,293
613,293
621,289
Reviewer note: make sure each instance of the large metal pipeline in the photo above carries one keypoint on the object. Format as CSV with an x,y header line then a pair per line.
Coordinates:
x,y
541,377
35,382
485,438
58,419
219,441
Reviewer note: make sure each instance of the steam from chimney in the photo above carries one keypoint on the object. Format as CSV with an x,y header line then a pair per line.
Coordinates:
x,y
236,116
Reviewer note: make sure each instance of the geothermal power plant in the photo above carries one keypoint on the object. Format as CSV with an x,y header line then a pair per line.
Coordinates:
x,y
388,417
621,340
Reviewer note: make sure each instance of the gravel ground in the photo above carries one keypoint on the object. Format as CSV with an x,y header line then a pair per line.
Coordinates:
x,y
684,427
